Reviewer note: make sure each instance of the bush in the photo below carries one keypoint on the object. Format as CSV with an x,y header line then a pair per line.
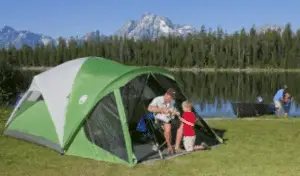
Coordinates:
x,y
11,82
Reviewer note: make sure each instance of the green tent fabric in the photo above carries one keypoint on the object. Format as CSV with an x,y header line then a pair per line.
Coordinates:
x,y
84,108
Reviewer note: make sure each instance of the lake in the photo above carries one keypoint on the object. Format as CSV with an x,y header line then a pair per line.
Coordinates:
x,y
244,87
219,88
218,94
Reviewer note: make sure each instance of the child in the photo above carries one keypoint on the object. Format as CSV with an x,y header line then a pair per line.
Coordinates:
x,y
287,103
189,136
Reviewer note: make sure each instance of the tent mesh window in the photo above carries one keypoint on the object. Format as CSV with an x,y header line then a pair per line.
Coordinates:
x,y
166,83
32,98
133,94
103,127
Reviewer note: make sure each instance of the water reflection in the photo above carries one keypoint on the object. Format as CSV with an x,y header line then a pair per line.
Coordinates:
x,y
238,87
225,94
231,109
220,94
231,86
220,108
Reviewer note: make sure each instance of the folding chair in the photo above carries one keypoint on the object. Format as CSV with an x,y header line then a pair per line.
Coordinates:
x,y
149,128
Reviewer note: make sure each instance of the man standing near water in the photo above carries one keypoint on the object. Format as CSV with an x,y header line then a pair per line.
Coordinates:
x,y
279,98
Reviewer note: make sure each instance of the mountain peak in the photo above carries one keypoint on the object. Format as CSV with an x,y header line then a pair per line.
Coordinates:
x,y
7,29
152,26
149,26
10,36
148,14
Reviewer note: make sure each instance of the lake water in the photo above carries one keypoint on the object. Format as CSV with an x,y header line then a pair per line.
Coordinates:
x,y
219,94
217,89
241,87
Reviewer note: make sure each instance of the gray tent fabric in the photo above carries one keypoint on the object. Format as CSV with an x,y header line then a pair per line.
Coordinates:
x,y
34,139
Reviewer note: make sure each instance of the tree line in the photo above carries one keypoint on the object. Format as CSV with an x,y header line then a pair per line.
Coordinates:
x,y
206,49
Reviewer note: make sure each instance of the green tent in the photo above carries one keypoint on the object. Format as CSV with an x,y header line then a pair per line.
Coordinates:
x,y
89,107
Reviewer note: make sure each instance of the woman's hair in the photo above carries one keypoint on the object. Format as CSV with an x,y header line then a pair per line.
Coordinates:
x,y
186,104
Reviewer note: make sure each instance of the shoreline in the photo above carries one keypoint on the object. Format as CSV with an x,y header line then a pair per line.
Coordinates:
x,y
246,70
196,70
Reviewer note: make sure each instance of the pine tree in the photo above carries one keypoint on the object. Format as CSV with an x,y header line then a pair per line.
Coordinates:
x,y
287,45
61,54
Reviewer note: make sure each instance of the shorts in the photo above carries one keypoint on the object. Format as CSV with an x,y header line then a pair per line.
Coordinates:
x,y
189,143
278,104
163,118
286,108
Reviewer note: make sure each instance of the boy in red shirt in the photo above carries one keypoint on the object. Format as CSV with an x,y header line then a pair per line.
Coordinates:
x,y
189,135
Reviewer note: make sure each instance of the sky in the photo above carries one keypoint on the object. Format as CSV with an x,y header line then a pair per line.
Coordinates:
x,y
78,17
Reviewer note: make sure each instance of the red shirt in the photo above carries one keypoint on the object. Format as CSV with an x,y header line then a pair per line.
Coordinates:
x,y
187,129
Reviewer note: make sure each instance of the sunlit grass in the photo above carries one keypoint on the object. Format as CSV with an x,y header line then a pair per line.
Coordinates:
x,y
257,147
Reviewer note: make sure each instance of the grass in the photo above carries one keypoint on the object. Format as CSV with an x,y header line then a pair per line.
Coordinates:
x,y
258,147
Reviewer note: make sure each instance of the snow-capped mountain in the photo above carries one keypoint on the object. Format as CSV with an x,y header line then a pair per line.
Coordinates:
x,y
10,36
148,26
151,26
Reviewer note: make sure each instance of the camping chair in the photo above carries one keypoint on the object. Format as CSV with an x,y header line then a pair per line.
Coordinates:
x,y
149,128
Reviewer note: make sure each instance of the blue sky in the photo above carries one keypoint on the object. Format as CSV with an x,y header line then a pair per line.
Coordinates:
x,y
77,17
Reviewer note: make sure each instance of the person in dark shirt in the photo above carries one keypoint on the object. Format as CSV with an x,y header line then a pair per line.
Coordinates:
x,y
287,103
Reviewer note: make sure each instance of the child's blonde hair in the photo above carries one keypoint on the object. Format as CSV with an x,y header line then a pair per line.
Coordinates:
x,y
187,104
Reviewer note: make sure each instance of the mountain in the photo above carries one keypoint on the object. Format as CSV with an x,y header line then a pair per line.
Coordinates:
x,y
151,26
93,35
148,26
89,36
10,36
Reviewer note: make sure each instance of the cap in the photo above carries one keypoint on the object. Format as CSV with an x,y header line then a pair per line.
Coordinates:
x,y
285,86
171,92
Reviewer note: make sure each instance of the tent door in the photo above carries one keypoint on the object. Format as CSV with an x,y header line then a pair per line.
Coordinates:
x,y
122,115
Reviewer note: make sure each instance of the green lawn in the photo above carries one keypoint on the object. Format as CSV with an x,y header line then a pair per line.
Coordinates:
x,y
254,147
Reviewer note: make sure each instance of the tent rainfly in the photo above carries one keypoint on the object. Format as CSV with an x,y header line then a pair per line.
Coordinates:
x,y
88,107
